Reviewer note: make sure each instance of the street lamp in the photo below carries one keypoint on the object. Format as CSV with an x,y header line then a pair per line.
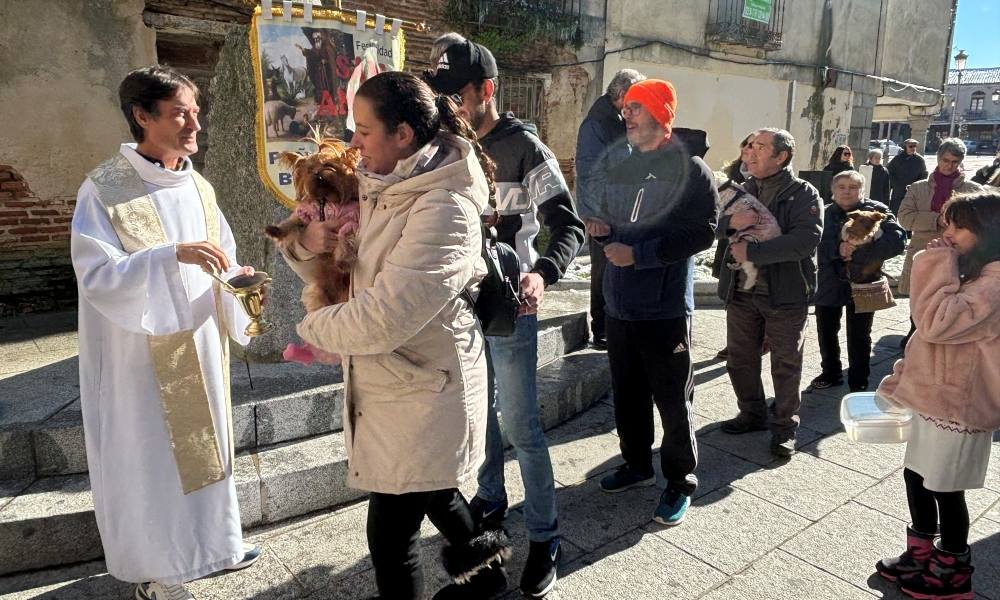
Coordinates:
x,y
960,59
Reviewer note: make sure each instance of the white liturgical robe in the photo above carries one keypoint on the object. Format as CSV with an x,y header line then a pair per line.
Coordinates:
x,y
151,530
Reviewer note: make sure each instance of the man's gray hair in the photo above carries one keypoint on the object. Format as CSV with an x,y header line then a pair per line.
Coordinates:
x,y
622,81
953,146
783,142
851,174
441,44
874,152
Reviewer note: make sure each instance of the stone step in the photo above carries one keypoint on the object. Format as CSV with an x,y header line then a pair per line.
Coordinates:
x,y
50,521
288,402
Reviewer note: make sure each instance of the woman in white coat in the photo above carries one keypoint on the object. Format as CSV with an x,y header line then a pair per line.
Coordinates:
x,y
413,352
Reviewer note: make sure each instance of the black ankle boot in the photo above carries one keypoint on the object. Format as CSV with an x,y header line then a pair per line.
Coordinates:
x,y
477,567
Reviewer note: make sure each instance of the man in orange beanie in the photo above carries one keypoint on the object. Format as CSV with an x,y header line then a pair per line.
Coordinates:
x,y
659,206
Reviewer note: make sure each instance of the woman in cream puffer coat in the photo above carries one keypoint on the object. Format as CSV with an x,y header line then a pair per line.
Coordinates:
x,y
413,351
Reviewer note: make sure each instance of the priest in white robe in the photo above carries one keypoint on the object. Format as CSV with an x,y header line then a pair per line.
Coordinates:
x,y
154,362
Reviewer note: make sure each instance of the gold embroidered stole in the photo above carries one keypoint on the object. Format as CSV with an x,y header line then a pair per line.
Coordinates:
x,y
178,368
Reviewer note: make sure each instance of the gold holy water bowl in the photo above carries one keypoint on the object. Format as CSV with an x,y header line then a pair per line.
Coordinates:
x,y
249,291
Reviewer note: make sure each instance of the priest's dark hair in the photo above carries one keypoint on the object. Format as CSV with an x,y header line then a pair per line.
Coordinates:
x,y
398,97
143,88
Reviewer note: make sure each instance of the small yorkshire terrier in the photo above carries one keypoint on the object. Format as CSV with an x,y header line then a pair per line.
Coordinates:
x,y
862,227
325,189
734,199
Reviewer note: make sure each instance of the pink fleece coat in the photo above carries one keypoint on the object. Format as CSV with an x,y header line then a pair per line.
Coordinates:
x,y
952,364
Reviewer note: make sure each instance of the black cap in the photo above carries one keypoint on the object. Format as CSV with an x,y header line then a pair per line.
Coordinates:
x,y
459,65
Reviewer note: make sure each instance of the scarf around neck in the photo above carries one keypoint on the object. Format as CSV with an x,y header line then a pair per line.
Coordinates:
x,y
943,185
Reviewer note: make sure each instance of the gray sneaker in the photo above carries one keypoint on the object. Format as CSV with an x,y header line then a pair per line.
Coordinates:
x,y
158,591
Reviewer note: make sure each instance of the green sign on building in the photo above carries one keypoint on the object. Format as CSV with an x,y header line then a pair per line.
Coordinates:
x,y
757,10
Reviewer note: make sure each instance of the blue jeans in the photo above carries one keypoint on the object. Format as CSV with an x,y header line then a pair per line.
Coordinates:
x,y
512,363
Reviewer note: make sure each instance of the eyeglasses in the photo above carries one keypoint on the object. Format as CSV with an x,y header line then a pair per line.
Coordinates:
x,y
845,153
457,99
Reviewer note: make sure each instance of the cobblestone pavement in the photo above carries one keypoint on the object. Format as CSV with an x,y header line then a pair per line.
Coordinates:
x,y
810,527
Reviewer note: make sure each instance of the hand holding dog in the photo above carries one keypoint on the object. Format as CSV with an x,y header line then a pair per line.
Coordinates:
x,y
739,251
320,237
847,250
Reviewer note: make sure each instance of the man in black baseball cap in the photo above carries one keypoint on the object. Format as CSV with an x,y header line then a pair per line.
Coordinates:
x,y
460,63
529,184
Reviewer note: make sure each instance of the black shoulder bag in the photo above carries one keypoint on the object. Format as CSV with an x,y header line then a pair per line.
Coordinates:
x,y
499,292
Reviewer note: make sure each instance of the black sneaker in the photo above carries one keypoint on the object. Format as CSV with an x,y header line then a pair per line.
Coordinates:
x,y
739,426
626,478
488,583
600,342
539,575
488,514
824,382
859,388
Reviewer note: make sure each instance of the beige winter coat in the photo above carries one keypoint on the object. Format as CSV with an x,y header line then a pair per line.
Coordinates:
x,y
915,215
952,365
414,362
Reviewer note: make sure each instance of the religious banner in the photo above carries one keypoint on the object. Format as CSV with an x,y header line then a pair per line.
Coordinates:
x,y
308,64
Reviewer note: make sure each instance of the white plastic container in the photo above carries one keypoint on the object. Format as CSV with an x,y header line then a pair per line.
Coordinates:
x,y
870,419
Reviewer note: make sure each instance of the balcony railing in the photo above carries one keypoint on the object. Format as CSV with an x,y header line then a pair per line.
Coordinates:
x,y
976,115
728,25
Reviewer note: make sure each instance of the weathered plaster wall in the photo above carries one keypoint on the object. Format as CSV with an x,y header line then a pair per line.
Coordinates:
x,y
728,99
60,66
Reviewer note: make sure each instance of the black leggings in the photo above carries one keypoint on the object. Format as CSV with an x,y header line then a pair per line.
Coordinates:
x,y
928,508
394,536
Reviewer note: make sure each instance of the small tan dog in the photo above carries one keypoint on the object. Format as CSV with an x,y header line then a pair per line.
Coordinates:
x,y
326,189
861,228
734,199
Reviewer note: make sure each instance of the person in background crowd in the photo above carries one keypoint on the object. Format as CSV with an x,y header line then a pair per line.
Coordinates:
x,y
878,188
842,159
920,211
661,206
949,378
733,172
990,174
836,260
529,185
778,305
600,145
905,168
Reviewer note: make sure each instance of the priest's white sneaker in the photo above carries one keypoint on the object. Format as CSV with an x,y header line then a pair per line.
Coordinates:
x,y
159,591
251,552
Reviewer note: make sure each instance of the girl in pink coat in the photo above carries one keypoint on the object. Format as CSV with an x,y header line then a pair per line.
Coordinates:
x,y
949,378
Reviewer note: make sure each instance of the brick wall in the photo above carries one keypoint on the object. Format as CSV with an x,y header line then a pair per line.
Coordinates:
x,y
35,270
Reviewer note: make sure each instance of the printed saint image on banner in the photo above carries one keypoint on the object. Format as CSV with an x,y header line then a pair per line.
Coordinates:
x,y
307,74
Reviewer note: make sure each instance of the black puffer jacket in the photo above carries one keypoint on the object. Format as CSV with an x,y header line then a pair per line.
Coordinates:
x,y
833,287
790,257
